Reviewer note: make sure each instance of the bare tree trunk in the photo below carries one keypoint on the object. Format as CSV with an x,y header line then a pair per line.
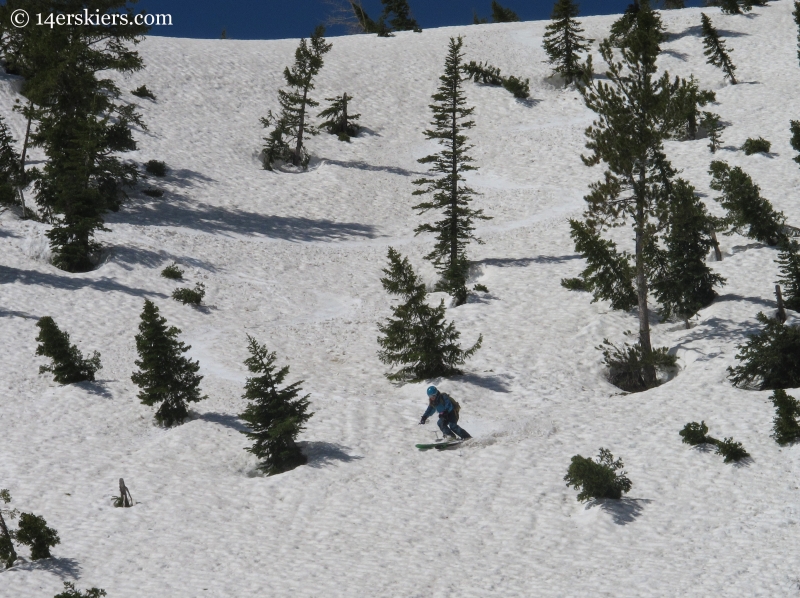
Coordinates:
x,y
781,315
126,500
717,252
343,122
649,372
454,192
300,129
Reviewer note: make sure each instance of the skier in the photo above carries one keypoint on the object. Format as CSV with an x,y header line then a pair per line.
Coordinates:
x,y
448,416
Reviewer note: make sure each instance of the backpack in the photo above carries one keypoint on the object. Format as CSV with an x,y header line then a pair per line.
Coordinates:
x,y
456,408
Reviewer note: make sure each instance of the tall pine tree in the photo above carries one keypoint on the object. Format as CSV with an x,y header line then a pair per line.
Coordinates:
x,y
451,117
289,128
275,415
82,123
682,282
563,41
636,114
715,49
417,336
166,377
10,169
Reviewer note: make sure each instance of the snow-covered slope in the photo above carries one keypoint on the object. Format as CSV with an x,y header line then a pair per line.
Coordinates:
x,y
294,260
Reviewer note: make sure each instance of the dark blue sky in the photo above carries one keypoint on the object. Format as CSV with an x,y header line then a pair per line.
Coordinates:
x,y
273,19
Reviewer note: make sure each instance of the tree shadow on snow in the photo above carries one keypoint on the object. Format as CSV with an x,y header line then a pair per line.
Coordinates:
x,y
496,383
69,282
361,165
622,511
527,261
229,421
98,387
62,567
697,31
321,454
177,210
675,54
128,257
756,300
10,313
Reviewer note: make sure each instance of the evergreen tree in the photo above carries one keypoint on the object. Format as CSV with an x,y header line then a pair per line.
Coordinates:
x,y
563,41
786,427
711,123
339,121
795,140
789,264
33,532
398,14
500,14
715,49
689,98
796,15
769,359
10,169
490,75
363,23
165,375
636,114
450,194
418,337
673,4
290,127
748,213
695,434
682,282
600,478
7,552
276,416
82,123
68,363
70,591
630,22
608,274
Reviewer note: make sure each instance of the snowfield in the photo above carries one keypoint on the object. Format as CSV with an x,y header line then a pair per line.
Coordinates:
x,y
295,260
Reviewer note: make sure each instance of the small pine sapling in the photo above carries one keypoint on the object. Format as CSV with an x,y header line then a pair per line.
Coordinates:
x,y
794,127
769,359
417,337
339,121
785,426
627,365
501,14
608,274
754,146
715,49
476,20
796,15
711,123
189,296
600,478
68,365
519,88
731,451
275,415
688,100
483,73
143,92
7,552
748,213
695,434
156,168
10,167
789,267
33,532
173,272
165,377
563,41
450,193
290,126
70,591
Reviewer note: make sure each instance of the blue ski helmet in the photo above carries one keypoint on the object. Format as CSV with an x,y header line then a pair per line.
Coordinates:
x,y
432,392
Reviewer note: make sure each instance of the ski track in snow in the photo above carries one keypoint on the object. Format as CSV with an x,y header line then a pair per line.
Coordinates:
x,y
295,260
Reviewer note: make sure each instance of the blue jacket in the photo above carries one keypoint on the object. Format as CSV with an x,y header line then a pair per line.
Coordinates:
x,y
442,404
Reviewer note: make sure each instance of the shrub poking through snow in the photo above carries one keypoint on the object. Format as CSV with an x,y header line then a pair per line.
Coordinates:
x,y
796,15
448,192
189,296
339,121
519,88
794,127
715,49
143,92
173,272
627,365
33,532
714,127
71,592
785,426
769,359
285,141
600,478
68,364
490,75
564,43
789,267
275,415
695,434
417,336
748,213
575,284
731,451
156,168
166,377
755,146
